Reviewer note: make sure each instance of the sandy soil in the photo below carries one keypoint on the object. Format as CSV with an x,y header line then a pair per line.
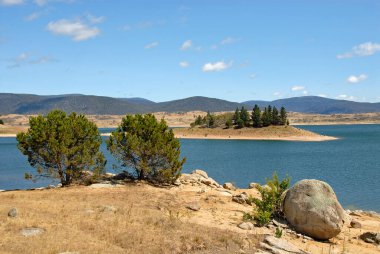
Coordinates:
x,y
139,218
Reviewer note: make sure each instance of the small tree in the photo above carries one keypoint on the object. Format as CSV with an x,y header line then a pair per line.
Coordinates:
x,y
62,146
1,122
275,116
256,117
147,146
210,120
244,116
229,123
283,116
236,116
269,205
266,118
198,120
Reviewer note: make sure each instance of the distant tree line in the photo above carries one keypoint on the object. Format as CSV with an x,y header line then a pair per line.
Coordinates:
x,y
242,118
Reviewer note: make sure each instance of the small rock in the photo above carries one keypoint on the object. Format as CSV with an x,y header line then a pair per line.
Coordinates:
x,y
2,190
102,185
58,185
13,212
277,245
225,193
241,198
370,237
200,172
229,186
280,223
108,208
355,224
194,206
50,186
31,231
246,225
253,185
177,183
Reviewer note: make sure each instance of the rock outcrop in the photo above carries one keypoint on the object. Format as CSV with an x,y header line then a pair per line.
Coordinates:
x,y
279,246
197,177
312,208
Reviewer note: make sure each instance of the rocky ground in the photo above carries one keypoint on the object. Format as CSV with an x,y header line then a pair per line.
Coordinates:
x,y
198,215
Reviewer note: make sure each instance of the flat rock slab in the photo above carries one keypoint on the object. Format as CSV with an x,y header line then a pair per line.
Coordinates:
x,y
32,231
280,246
194,206
104,185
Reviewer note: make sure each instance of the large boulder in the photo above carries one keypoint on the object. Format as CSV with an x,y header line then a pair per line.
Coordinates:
x,y
312,208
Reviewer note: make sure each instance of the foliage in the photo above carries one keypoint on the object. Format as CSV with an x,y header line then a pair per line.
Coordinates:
x,y
210,120
199,120
62,146
236,116
269,205
275,116
256,117
147,146
244,116
229,123
278,233
1,122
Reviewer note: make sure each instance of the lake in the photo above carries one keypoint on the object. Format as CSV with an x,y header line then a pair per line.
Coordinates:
x,y
351,165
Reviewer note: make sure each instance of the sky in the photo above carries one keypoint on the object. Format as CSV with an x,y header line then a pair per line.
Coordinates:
x,y
164,50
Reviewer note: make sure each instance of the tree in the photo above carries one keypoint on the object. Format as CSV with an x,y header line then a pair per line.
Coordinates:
x,y
210,120
1,122
244,116
266,118
275,116
148,146
283,116
256,117
198,120
236,116
229,123
62,146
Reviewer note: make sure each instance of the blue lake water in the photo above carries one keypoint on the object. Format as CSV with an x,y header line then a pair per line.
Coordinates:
x,y
351,165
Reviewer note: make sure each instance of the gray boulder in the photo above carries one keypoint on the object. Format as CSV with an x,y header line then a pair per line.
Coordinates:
x,y
194,206
312,208
229,186
32,231
13,212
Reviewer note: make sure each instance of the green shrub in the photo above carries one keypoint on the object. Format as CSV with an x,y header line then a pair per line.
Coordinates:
x,y
62,146
1,122
149,147
269,205
278,233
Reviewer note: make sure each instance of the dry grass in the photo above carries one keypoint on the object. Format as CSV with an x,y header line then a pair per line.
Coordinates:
x,y
146,220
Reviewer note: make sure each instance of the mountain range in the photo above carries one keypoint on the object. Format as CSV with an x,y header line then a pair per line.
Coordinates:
x,y
101,105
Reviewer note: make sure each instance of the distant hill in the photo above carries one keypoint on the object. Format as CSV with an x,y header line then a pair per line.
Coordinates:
x,y
197,103
101,105
320,105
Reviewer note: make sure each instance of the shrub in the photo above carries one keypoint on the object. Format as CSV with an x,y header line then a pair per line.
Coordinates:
x,y
269,205
1,122
62,146
148,147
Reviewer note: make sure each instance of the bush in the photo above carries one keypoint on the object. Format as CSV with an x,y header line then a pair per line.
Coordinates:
x,y
62,146
148,147
269,205
1,122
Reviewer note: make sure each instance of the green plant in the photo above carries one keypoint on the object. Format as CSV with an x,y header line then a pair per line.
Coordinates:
x,y
149,147
62,146
278,233
269,205
1,121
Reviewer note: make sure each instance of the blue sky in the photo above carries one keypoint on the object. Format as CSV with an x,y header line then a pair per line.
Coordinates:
x,y
164,50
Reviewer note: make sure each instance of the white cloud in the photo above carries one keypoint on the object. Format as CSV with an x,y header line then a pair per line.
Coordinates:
x,y
186,45
228,40
184,64
356,79
27,58
364,49
77,30
277,94
44,2
33,16
298,88
11,2
95,20
217,66
151,45
304,92
322,95
252,76
345,97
